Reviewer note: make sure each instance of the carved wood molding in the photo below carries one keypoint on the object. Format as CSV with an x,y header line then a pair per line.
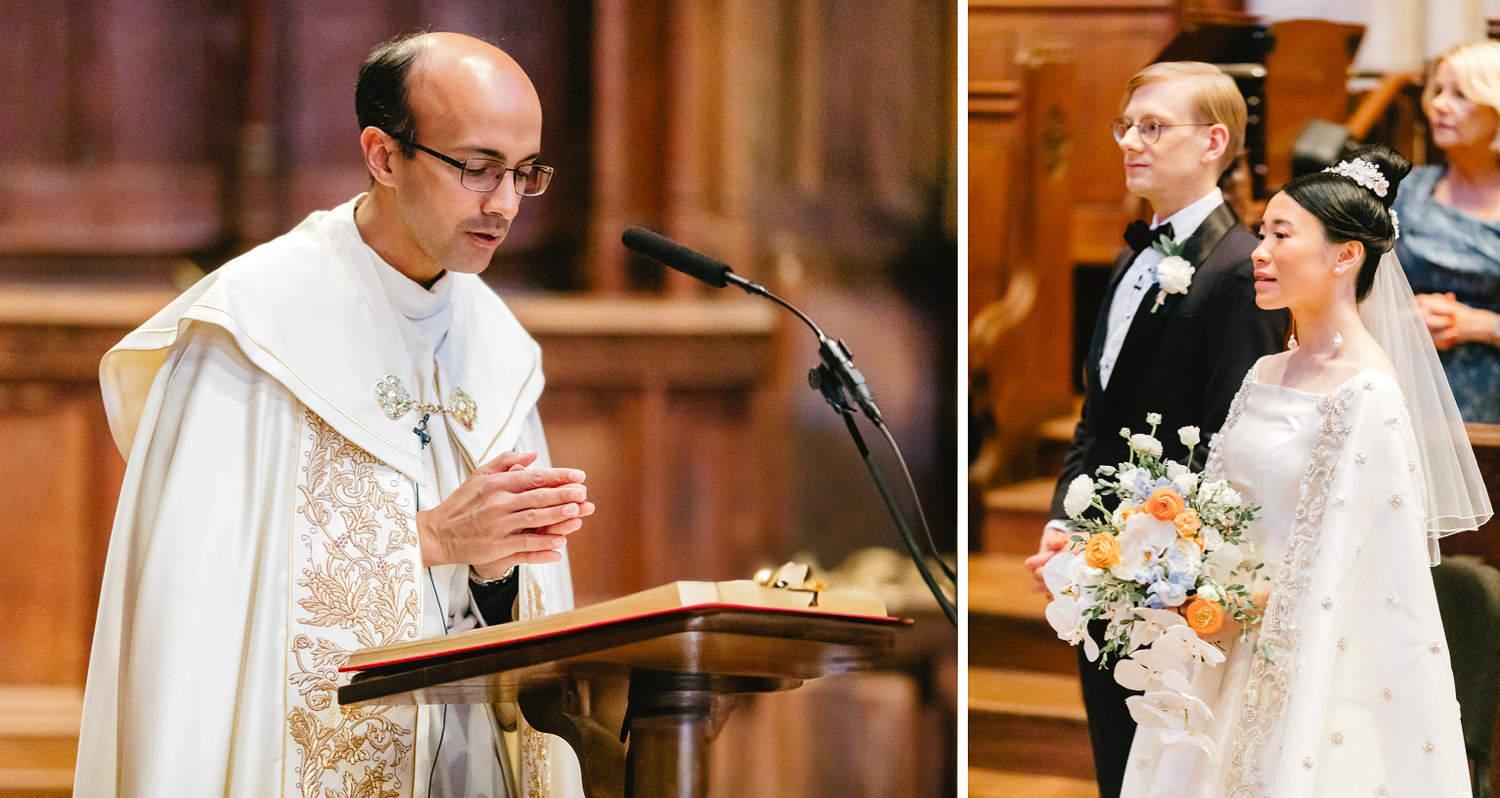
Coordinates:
x,y
994,97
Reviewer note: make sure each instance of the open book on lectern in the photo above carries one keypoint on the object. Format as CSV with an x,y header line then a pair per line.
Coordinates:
x,y
675,597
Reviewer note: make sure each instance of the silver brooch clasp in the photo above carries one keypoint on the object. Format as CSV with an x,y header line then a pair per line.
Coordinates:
x,y
396,402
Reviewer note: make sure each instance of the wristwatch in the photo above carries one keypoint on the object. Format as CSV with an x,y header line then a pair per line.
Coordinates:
x,y
476,579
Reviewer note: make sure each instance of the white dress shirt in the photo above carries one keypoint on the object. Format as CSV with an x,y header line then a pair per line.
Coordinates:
x,y
1141,275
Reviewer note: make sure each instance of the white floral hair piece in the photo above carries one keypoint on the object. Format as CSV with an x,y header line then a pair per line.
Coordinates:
x,y
1395,224
1364,173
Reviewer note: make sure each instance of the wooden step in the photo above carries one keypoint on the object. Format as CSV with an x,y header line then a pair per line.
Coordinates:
x,y
1054,438
1027,722
38,740
1015,514
1002,784
1007,619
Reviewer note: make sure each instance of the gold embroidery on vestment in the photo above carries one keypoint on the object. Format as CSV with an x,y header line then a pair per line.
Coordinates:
x,y
354,573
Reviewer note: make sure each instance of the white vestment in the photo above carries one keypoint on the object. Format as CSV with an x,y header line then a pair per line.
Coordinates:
x,y
1357,698
266,527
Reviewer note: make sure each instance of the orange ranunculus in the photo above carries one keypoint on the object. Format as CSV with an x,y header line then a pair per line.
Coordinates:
x,y
1165,503
1203,616
1187,524
1126,512
1102,550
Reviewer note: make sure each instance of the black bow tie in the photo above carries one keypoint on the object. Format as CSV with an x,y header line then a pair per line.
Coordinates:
x,y
1138,236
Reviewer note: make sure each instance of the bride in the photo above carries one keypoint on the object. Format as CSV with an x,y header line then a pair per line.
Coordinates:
x,y
1350,442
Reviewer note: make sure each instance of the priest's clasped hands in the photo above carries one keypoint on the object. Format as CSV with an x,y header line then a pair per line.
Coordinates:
x,y
505,514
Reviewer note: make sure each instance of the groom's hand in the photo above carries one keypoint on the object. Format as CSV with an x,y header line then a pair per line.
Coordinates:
x,y
1053,541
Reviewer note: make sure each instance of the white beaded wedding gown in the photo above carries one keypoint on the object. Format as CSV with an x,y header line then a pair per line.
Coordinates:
x,y
1357,698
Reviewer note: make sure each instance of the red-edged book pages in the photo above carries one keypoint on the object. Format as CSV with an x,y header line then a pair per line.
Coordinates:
x,y
666,598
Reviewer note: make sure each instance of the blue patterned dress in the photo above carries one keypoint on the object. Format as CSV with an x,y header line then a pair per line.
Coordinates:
x,y
1443,250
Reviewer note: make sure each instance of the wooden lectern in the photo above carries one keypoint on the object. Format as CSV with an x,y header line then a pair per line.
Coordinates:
x,y
661,669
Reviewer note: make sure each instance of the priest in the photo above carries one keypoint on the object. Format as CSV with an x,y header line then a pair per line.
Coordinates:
x,y
333,443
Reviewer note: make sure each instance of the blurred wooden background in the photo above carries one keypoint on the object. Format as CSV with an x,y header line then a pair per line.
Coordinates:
x,y
809,143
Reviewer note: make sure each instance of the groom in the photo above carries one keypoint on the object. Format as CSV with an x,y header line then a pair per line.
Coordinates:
x,y
1179,345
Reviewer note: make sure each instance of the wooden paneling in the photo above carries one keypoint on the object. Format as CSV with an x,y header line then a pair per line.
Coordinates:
x,y
93,163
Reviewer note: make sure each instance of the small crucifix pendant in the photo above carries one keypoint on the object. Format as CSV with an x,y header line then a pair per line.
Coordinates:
x,y
421,429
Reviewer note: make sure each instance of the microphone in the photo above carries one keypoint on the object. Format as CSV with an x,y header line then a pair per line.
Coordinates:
x,y
834,354
833,377
694,264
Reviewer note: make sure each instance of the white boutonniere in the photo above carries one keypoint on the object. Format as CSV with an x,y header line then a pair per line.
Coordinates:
x,y
1174,274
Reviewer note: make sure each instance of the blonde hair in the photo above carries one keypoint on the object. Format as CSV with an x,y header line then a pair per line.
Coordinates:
x,y
1476,70
1215,98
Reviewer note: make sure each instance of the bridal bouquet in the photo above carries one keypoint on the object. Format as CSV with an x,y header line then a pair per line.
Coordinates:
x,y
1167,566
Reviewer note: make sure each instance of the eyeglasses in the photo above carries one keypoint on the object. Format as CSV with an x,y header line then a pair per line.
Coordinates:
x,y
1150,128
484,174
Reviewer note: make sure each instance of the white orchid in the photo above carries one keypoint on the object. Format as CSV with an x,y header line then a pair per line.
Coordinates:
x,y
1181,644
1058,573
1177,718
1150,624
1143,539
1065,614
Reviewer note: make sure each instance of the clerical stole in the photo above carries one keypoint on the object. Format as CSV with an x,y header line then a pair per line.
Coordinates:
x,y
354,583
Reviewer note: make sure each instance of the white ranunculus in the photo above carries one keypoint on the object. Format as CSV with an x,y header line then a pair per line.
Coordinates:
x,y
1175,470
1186,557
1208,592
1145,444
1174,274
1080,495
1184,483
1212,537
1153,418
1189,436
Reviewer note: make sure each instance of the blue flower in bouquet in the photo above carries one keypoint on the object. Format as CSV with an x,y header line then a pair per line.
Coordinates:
x,y
1146,486
1163,593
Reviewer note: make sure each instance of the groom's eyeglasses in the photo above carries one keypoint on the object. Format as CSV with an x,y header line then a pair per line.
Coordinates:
x,y
1150,128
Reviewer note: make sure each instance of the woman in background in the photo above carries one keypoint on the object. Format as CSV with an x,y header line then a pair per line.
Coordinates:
x,y
1450,219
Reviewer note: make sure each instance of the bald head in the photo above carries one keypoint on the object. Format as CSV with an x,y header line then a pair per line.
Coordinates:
x,y
404,83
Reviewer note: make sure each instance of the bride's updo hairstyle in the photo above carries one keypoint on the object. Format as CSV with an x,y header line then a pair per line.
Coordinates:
x,y
1353,212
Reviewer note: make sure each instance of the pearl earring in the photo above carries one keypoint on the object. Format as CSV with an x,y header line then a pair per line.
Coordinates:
x,y
1291,341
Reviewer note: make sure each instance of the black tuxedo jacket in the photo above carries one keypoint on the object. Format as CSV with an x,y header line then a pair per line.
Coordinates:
x,y
1185,361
